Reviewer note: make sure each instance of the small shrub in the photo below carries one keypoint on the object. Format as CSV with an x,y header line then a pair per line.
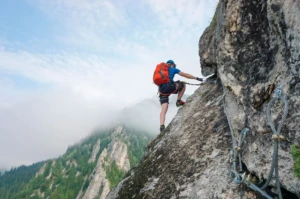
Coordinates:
x,y
295,151
213,22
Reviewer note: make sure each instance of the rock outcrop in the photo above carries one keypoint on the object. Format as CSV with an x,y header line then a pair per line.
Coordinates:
x,y
95,151
42,170
118,151
99,185
253,46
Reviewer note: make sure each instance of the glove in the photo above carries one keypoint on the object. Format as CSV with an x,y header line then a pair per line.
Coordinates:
x,y
199,79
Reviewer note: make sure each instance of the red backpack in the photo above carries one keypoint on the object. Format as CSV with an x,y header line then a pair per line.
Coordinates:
x,y
161,74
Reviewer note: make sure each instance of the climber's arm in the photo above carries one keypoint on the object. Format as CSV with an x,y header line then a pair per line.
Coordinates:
x,y
186,75
189,76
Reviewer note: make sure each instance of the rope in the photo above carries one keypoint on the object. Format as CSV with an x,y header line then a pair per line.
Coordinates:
x,y
233,167
191,84
256,188
241,138
237,152
248,181
243,178
276,137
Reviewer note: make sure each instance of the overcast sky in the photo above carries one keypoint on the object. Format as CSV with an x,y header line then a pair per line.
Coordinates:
x,y
67,66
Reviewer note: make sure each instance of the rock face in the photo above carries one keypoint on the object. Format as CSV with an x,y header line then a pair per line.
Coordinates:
x,y
190,159
118,151
98,181
253,46
41,171
99,186
95,151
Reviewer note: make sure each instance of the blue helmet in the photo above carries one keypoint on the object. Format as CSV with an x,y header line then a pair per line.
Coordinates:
x,y
171,62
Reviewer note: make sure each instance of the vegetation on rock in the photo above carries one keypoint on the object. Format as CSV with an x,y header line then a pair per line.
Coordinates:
x,y
295,150
213,22
114,174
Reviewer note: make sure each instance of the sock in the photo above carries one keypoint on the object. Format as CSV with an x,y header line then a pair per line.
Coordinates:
x,y
178,100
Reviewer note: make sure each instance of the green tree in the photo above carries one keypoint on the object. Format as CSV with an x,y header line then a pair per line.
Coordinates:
x,y
114,174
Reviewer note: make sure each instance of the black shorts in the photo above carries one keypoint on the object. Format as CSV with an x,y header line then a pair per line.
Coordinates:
x,y
168,89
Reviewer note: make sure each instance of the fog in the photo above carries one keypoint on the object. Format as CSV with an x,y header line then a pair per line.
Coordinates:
x,y
43,126
145,115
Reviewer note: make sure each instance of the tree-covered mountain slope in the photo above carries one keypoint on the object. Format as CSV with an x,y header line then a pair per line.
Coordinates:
x,y
88,169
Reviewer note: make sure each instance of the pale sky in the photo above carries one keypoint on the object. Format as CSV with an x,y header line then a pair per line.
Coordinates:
x,y
68,66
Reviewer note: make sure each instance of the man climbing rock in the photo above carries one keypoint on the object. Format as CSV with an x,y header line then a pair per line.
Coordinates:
x,y
163,78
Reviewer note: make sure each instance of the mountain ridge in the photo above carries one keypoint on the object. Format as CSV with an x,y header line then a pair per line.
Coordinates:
x,y
105,155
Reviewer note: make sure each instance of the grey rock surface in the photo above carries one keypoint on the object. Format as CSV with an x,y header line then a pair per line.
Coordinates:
x,y
254,48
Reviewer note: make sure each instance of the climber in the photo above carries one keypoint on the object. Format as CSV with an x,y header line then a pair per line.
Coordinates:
x,y
163,78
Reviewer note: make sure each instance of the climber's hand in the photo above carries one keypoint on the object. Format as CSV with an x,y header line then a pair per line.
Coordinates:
x,y
199,79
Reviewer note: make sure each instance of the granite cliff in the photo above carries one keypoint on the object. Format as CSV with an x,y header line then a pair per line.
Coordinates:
x,y
254,48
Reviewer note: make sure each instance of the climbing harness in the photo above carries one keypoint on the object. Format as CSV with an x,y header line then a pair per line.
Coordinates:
x,y
250,181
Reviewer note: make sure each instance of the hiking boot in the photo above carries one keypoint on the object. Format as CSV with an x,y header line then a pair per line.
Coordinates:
x,y
162,127
180,103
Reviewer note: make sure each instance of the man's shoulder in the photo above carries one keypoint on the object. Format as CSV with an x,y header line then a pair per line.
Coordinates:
x,y
174,70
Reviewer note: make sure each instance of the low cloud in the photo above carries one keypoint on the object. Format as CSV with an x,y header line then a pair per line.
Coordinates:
x,y
145,115
45,125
